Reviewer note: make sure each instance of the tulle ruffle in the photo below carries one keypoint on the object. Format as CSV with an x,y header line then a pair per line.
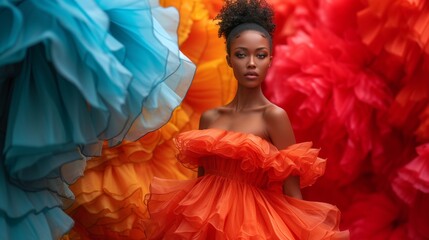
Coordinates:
x,y
413,177
214,207
253,152
374,216
109,198
81,72
91,57
34,214
397,27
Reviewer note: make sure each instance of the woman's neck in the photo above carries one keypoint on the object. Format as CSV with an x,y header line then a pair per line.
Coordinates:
x,y
248,98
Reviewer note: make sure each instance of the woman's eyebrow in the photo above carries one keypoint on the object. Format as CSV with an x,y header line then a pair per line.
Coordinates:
x,y
244,48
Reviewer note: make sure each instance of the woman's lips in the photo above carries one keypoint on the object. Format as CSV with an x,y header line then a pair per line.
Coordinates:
x,y
251,75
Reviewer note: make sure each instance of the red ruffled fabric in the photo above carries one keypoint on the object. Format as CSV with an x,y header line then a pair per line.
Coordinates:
x,y
330,97
422,131
253,152
231,200
377,217
413,177
398,27
352,76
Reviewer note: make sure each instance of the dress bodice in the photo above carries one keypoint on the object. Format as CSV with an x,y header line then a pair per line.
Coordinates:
x,y
247,157
231,169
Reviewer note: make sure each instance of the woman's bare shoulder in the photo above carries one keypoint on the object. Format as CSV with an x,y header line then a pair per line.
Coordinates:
x,y
209,117
274,113
278,126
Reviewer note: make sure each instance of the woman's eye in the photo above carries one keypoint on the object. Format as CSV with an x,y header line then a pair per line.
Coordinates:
x,y
261,56
240,55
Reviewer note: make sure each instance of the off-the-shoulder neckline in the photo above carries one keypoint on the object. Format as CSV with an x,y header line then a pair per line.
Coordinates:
x,y
237,132
225,131
252,135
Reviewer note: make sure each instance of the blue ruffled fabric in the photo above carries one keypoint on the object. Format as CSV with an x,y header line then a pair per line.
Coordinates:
x,y
73,74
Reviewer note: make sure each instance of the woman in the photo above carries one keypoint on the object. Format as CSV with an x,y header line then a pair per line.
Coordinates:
x,y
250,169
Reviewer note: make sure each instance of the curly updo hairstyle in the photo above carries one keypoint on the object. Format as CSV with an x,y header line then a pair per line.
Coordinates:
x,y
241,15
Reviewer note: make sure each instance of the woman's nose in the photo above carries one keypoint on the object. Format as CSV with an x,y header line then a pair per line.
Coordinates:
x,y
251,63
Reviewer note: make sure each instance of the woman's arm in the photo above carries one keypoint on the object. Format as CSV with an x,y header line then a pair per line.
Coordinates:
x,y
205,120
291,187
282,136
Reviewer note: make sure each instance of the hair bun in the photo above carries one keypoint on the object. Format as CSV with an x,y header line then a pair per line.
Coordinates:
x,y
237,12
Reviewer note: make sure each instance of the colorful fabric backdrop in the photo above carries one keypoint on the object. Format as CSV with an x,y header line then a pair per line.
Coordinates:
x,y
352,75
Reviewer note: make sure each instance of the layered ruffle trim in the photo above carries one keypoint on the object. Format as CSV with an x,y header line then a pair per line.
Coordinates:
x,y
33,214
81,72
253,152
110,196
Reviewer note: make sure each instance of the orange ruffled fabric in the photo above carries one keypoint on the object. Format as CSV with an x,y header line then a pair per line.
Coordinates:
x,y
253,152
235,198
110,197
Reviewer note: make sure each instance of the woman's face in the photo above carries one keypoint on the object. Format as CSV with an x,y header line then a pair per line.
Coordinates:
x,y
250,57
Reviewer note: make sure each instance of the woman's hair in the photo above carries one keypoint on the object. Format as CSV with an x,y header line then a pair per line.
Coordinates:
x,y
240,15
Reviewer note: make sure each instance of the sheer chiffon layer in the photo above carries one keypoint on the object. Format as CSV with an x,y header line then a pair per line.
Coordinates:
x,y
234,199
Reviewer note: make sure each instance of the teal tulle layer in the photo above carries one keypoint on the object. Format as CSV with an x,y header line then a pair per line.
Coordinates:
x,y
73,74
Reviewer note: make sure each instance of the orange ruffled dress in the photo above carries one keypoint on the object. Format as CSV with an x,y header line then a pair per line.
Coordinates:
x,y
240,195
